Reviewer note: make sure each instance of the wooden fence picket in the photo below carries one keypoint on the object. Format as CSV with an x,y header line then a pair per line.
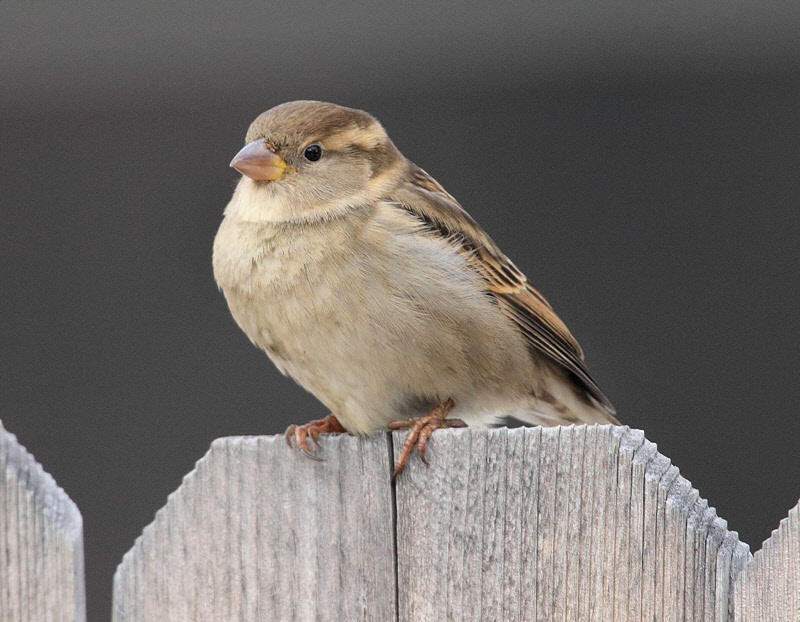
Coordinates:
x,y
565,523
41,542
769,587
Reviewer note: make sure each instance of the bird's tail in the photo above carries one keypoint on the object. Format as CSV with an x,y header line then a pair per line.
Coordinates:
x,y
564,403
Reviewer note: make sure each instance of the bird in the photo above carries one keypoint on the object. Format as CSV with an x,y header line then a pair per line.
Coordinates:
x,y
370,285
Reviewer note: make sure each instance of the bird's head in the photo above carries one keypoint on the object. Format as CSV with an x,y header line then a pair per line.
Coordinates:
x,y
309,160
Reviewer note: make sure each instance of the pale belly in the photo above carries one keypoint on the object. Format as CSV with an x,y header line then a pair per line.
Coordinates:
x,y
376,344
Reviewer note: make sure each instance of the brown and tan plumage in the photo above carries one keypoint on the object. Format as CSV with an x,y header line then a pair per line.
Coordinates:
x,y
367,282
543,329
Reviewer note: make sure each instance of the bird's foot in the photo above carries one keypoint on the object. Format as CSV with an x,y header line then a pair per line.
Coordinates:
x,y
420,430
300,433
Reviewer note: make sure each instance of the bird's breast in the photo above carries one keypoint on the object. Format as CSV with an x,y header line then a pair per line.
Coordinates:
x,y
360,315
273,277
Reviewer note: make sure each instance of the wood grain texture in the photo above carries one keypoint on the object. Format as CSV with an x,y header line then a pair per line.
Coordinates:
x,y
260,532
769,587
568,523
41,542
571,523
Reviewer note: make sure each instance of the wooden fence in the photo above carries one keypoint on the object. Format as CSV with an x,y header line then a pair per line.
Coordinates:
x,y
570,523
41,542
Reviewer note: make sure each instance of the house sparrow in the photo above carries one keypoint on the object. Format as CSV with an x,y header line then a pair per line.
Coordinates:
x,y
366,282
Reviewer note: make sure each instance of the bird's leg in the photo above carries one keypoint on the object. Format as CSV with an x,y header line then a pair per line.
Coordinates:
x,y
420,430
300,433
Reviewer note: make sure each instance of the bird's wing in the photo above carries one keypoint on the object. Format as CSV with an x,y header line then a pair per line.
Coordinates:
x,y
544,331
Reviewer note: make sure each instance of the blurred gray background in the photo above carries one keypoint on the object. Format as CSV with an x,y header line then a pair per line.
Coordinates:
x,y
638,161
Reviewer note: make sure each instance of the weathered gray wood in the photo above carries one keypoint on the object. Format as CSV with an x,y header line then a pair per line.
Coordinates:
x,y
41,542
591,520
571,523
769,587
260,532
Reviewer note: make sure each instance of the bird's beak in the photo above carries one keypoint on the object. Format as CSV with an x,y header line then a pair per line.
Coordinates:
x,y
259,162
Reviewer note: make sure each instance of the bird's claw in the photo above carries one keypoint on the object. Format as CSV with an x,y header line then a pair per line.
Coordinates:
x,y
420,430
301,433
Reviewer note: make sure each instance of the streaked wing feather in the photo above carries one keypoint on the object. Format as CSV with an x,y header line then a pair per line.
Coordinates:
x,y
541,327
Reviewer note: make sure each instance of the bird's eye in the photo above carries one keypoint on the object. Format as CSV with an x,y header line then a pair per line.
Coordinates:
x,y
313,152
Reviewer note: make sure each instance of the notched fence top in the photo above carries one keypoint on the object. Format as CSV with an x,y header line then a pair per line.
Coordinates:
x,y
41,542
569,523
533,523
